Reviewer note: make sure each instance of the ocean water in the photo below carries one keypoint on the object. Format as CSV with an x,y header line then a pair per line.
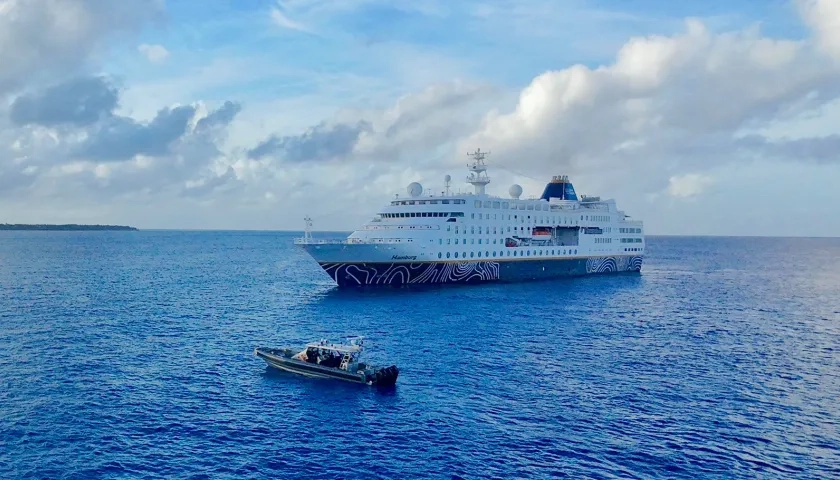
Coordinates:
x,y
130,355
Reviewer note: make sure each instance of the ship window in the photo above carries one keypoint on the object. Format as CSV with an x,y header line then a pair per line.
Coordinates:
x,y
449,241
447,254
494,253
479,241
479,254
440,255
514,253
440,241
472,229
456,241
495,204
505,205
479,216
473,216
471,254
456,254
530,207
478,204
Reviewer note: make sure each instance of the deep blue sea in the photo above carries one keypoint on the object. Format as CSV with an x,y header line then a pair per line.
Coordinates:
x,y
130,355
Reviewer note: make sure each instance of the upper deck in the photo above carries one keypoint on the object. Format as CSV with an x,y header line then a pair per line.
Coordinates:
x,y
445,217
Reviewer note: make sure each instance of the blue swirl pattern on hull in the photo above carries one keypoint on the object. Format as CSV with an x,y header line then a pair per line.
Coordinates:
x,y
426,273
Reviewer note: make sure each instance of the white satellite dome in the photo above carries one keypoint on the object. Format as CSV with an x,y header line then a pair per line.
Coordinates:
x,y
447,178
515,191
414,189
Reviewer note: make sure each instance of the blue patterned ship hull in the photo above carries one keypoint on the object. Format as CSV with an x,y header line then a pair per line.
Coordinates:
x,y
430,273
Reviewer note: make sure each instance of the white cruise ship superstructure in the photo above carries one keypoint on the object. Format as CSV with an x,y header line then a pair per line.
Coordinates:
x,y
425,238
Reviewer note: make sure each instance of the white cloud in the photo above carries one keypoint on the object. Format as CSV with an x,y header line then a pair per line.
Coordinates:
x,y
666,106
154,53
688,185
668,117
281,20
824,17
40,39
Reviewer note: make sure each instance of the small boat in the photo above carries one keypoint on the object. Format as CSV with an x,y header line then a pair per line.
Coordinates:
x,y
328,360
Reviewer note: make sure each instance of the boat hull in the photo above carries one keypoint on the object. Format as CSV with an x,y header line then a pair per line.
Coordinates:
x,y
282,360
354,274
308,369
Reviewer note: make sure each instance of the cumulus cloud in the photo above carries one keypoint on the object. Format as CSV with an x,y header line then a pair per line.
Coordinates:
x,y
221,117
688,185
97,152
154,53
665,104
824,17
78,101
319,143
122,138
415,123
42,38
662,117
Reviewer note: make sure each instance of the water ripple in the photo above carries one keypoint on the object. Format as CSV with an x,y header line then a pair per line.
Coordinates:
x,y
129,354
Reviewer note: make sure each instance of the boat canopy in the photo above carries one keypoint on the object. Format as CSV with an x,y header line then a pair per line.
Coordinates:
x,y
353,345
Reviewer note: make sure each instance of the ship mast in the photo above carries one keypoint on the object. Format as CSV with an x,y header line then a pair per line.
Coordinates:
x,y
307,232
478,178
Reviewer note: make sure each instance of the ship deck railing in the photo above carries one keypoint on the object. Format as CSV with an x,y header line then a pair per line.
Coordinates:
x,y
352,241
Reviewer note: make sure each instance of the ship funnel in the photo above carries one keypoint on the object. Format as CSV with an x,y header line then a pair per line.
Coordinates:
x,y
559,187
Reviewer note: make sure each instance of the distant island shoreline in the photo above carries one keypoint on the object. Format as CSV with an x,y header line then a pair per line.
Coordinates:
x,y
70,227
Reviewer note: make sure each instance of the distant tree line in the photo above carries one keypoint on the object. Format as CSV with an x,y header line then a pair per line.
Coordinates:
x,y
66,227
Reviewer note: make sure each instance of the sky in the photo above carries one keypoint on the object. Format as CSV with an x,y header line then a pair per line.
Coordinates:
x,y
700,118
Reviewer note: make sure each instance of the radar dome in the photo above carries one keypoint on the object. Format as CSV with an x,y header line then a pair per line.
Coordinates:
x,y
515,191
447,178
415,189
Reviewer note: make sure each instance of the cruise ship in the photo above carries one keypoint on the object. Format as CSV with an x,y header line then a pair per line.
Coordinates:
x,y
427,238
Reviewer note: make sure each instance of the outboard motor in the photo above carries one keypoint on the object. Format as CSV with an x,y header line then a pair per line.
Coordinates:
x,y
386,376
